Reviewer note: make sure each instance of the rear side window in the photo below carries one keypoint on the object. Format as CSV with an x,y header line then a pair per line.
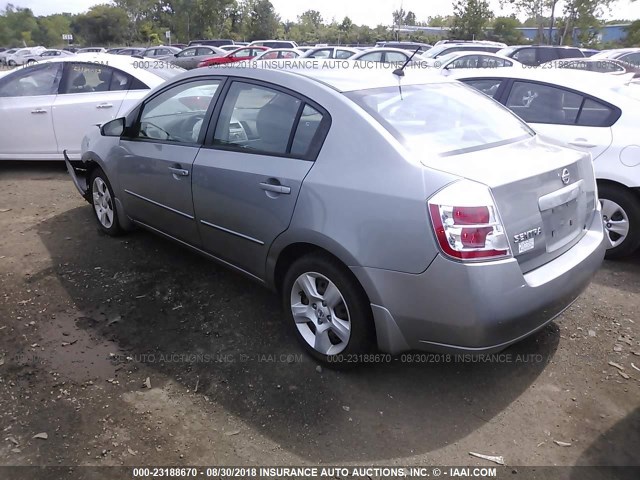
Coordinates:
x,y
540,103
259,119
595,114
93,77
547,54
569,53
306,131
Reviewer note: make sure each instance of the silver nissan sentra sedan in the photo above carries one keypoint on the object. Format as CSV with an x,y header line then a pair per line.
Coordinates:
x,y
387,210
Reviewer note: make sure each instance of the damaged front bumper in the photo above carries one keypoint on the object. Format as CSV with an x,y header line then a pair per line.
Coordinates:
x,y
78,176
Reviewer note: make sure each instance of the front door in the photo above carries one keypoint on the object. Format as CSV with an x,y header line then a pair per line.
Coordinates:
x,y
155,166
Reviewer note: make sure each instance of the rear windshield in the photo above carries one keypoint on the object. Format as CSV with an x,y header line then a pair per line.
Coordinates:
x,y
441,119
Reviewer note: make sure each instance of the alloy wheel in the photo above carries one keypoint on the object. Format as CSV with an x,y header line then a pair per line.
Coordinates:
x,y
320,313
616,222
102,202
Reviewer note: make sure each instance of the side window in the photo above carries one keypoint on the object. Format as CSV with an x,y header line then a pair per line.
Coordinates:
x,y
342,54
632,58
270,55
468,61
93,77
322,53
245,52
306,131
487,86
372,57
595,114
526,56
537,103
256,118
547,54
120,81
30,81
177,114
395,57
288,55
188,53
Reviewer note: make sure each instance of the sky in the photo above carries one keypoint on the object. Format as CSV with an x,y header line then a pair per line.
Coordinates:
x,y
370,12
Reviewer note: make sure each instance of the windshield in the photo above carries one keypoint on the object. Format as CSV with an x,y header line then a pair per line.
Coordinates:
x,y
435,51
442,119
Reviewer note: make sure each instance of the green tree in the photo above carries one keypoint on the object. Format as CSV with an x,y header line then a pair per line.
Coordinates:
x,y
19,26
505,29
263,22
102,25
470,19
633,35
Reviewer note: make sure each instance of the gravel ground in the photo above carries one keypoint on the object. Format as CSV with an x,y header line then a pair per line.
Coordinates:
x,y
133,351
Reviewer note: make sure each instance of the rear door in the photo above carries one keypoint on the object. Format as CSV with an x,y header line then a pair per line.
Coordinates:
x,y
90,94
247,179
26,99
568,116
155,164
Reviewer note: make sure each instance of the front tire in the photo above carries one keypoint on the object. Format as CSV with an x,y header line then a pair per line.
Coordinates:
x,y
103,201
328,310
621,216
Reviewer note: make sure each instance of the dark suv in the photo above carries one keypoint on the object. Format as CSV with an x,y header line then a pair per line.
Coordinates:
x,y
535,55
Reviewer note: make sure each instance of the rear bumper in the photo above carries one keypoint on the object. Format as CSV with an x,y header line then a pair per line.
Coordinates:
x,y
479,308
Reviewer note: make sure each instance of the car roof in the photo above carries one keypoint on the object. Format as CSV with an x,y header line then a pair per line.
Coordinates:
x,y
122,62
593,83
340,75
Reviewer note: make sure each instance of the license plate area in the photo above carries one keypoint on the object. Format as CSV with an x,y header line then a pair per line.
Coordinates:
x,y
562,224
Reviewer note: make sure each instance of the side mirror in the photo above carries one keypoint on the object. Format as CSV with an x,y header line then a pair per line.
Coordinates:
x,y
114,128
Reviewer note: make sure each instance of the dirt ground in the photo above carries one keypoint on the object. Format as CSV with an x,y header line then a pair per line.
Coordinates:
x,y
133,351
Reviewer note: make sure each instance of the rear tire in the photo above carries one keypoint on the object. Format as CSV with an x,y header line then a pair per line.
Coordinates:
x,y
333,319
103,203
621,216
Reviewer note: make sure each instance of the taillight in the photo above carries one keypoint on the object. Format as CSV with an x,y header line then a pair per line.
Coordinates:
x,y
466,222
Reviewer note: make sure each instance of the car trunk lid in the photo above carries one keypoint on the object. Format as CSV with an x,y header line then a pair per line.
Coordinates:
x,y
545,194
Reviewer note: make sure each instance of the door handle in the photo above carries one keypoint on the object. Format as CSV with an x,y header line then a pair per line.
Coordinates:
x,y
581,142
181,172
39,111
105,105
269,187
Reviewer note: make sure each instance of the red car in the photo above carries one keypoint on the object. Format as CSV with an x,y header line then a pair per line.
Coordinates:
x,y
244,53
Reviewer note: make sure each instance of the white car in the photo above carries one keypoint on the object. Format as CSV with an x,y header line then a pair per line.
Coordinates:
x,y
278,53
588,111
24,56
47,54
5,54
386,55
93,50
471,60
340,53
46,108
